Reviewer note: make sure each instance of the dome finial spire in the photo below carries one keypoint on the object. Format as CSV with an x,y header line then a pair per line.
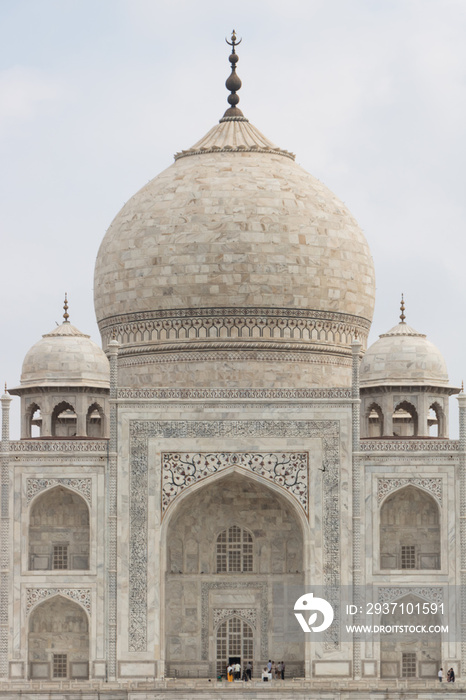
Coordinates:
x,y
65,306
233,82
402,309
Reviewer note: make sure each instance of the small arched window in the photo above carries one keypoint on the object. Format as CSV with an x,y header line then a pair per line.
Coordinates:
x,y
436,421
405,420
234,551
64,420
374,419
34,420
94,421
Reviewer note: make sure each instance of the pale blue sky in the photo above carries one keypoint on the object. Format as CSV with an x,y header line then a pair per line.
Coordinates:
x,y
95,97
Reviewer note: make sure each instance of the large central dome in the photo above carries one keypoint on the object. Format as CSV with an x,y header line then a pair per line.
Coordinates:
x,y
234,256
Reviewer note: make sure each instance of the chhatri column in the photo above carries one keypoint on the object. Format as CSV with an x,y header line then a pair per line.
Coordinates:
x,y
5,545
356,346
81,415
423,414
112,484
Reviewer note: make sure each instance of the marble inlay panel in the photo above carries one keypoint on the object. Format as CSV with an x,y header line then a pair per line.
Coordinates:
x,y
434,594
248,614
386,486
79,595
35,486
58,445
374,445
290,470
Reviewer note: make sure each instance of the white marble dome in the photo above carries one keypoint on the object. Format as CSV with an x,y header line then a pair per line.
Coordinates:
x,y
231,224
404,357
65,357
237,249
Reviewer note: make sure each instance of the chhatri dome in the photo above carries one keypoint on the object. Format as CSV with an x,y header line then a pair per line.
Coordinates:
x,y
65,357
65,382
404,386
403,357
234,267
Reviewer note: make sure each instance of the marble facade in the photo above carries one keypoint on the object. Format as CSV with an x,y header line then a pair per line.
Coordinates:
x,y
217,453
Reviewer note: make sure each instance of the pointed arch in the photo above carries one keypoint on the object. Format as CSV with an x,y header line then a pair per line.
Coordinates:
x,y
436,420
238,506
95,421
59,531
410,530
243,474
33,420
234,640
410,654
58,639
405,420
64,420
374,420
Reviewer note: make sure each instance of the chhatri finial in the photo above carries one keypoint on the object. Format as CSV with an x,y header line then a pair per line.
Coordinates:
x,y
402,309
461,392
233,82
65,306
5,388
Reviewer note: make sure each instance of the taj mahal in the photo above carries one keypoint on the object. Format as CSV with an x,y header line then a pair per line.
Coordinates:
x,y
232,445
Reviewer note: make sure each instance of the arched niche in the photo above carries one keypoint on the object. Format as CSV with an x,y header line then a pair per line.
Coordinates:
x,y
58,640
33,420
374,421
95,421
436,421
193,600
408,653
410,530
59,531
64,420
405,420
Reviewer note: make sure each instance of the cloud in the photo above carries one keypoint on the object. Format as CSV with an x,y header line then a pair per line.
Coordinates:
x,y
25,93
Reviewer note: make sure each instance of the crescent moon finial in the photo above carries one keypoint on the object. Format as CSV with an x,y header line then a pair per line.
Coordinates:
x,y
233,82
233,41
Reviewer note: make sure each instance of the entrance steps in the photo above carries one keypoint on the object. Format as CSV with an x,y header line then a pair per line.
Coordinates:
x,y
203,689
